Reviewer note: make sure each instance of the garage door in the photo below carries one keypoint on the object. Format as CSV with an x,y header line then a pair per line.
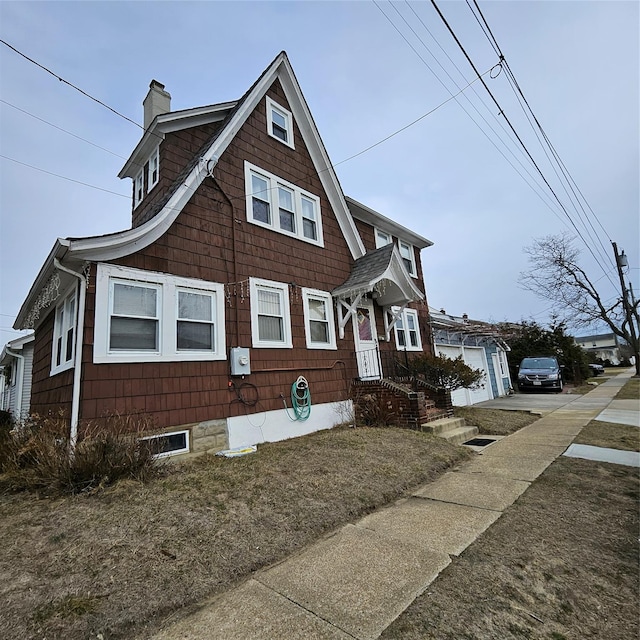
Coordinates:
x,y
474,357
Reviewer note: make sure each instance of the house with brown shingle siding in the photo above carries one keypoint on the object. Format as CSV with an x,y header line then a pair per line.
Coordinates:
x,y
246,272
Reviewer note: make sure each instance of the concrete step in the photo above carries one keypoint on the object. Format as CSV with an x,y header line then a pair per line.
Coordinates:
x,y
460,435
436,427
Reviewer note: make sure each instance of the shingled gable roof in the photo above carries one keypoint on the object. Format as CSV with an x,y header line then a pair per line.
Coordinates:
x,y
117,245
381,270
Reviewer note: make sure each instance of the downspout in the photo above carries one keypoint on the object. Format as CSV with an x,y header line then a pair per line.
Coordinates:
x,y
77,371
20,375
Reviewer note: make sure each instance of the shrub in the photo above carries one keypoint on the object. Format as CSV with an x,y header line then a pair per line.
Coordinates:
x,y
446,373
37,456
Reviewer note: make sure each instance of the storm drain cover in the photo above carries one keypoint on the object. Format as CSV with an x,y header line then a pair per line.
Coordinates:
x,y
479,442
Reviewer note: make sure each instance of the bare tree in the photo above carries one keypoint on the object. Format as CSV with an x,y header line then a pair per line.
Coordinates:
x,y
555,275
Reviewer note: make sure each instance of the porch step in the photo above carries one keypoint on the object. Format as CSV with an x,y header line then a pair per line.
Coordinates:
x,y
453,430
443,424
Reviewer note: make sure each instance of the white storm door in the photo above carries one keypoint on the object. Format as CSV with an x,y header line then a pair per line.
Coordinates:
x,y
366,341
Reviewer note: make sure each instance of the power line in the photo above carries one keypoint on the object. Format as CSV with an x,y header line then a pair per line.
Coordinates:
x,y
519,94
540,195
73,86
501,111
92,186
55,126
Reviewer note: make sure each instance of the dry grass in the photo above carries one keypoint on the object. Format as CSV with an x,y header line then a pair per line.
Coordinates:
x,y
610,435
561,563
630,391
495,421
119,562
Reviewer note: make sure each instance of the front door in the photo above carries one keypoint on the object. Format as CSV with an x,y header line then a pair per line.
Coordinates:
x,y
366,340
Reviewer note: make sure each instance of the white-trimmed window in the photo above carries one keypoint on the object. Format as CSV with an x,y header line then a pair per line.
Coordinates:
x,y
138,188
64,330
408,257
502,363
270,314
169,444
382,238
279,123
154,169
279,205
407,331
318,319
143,316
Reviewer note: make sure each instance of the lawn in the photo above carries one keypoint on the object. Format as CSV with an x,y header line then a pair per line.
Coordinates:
x,y
560,564
630,391
120,561
495,421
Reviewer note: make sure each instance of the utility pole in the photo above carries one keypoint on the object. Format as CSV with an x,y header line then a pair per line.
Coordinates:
x,y
621,260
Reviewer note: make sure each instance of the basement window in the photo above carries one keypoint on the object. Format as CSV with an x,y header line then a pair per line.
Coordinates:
x,y
169,444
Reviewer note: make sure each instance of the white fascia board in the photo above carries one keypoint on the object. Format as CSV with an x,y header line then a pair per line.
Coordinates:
x,y
398,273
376,219
59,250
321,161
168,123
127,242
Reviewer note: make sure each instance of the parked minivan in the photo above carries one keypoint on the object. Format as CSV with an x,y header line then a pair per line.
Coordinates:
x,y
540,373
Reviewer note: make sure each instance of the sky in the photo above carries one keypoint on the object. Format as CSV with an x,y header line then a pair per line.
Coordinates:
x,y
367,70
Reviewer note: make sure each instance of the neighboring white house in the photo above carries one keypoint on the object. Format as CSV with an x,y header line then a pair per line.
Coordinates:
x,y
480,346
605,346
16,367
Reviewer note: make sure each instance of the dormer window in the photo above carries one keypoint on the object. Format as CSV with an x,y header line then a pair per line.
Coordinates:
x,y
279,123
154,169
138,188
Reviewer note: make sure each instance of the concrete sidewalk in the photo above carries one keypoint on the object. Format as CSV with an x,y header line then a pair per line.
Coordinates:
x,y
355,582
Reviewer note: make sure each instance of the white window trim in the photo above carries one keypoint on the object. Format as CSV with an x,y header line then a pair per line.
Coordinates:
x,y
254,285
137,199
328,300
168,286
286,114
272,197
380,244
412,257
62,332
174,452
150,182
405,327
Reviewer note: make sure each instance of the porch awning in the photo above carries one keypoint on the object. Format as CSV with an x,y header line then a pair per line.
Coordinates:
x,y
382,273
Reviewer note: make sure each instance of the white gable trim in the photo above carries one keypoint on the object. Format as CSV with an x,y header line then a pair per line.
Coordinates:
x,y
127,242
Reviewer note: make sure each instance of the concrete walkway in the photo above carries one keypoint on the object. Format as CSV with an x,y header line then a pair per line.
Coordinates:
x,y
355,582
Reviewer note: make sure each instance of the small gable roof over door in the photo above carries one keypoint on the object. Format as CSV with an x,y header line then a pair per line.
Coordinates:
x,y
383,273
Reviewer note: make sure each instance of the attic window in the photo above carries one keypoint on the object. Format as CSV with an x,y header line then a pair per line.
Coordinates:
x,y
154,169
279,123
138,188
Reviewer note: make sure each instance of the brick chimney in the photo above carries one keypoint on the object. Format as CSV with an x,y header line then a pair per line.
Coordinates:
x,y
157,102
